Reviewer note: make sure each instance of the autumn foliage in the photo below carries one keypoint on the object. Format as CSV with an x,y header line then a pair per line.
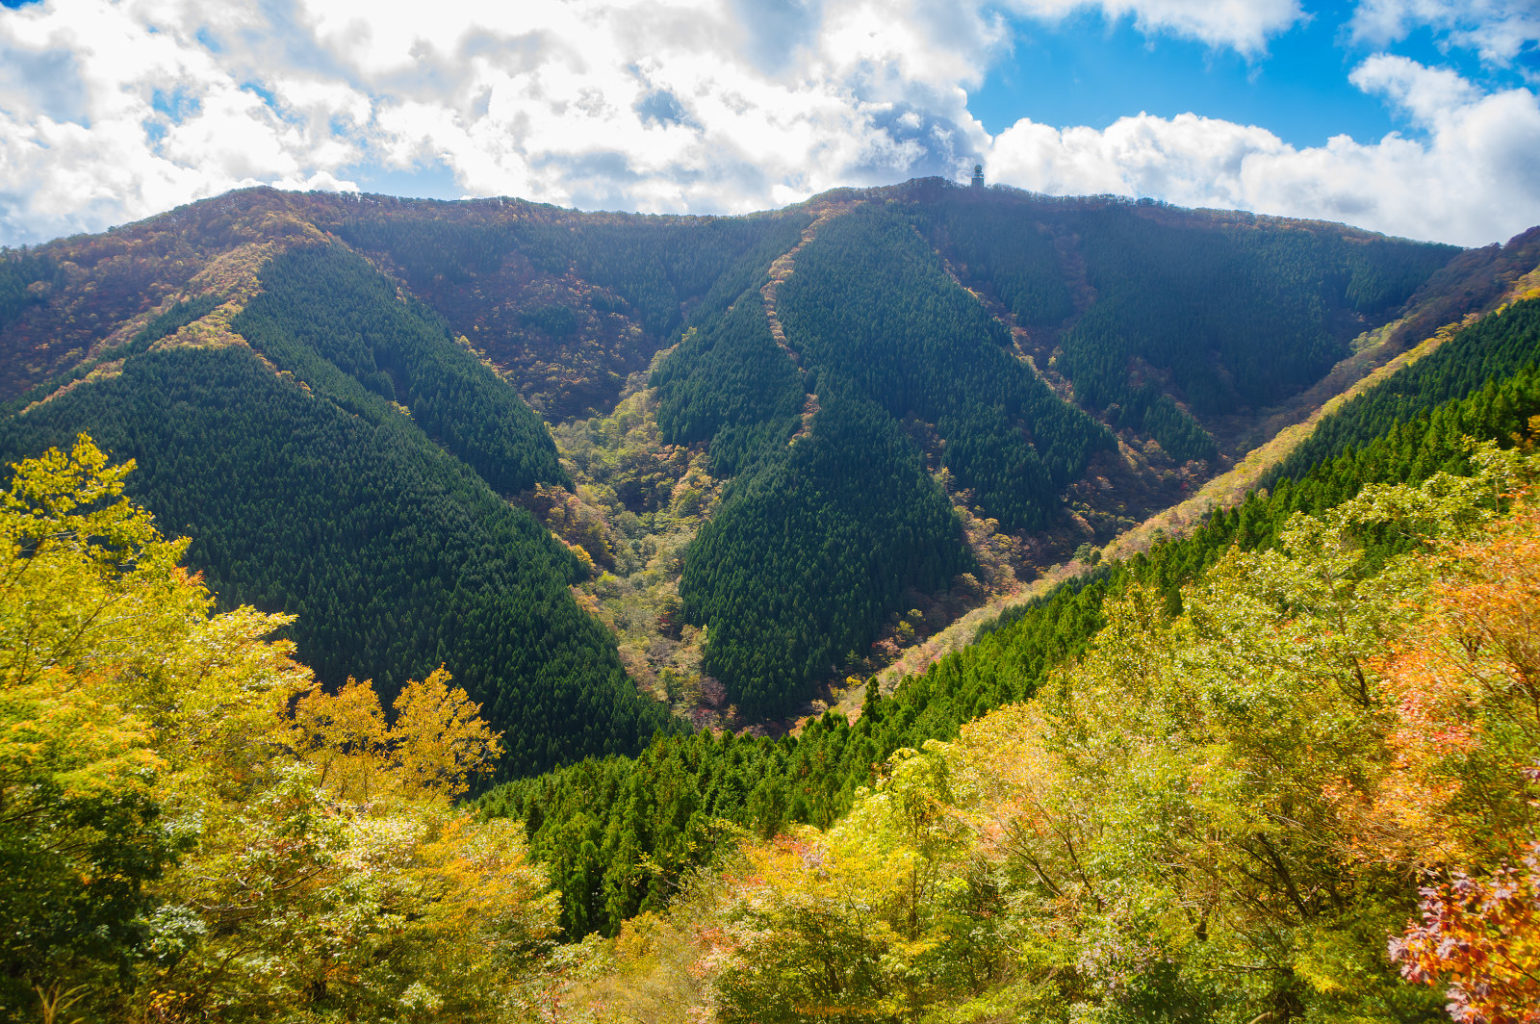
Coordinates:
x,y
1307,792
178,845
1465,786
1481,938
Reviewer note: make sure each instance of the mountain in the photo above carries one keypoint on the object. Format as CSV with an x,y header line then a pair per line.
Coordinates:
x,y
789,443
1275,762
622,833
268,423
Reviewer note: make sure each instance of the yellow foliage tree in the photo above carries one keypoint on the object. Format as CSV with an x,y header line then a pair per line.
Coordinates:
x,y
178,846
436,744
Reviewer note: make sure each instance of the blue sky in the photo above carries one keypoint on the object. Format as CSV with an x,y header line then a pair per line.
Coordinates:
x,y
1413,117
1089,70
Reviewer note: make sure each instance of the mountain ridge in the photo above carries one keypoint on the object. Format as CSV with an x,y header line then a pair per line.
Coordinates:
x,y
1190,776
571,310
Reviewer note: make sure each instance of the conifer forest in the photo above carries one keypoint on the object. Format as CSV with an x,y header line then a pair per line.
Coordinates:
x,y
921,603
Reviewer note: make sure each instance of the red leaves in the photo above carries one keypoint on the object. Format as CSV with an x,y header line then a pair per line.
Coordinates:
x,y
1482,935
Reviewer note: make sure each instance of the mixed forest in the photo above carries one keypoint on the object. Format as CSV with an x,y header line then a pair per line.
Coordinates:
x,y
326,501
478,502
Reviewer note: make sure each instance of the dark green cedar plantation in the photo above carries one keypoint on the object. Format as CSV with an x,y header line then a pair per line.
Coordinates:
x,y
17,274
600,822
809,553
812,550
1495,347
326,316
656,266
328,502
870,307
1224,312
361,486
729,384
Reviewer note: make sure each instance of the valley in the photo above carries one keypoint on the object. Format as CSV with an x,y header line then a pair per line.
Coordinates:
x,y
940,603
635,339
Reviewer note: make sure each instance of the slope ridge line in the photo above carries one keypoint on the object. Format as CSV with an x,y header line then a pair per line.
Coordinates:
x,y
1057,382
1223,491
782,268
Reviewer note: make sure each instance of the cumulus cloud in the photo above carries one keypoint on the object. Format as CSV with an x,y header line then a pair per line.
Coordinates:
x,y
1427,95
115,109
111,110
133,116
1473,180
1500,30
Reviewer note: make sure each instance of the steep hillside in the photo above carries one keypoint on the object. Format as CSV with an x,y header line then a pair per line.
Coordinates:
x,y
1163,318
812,550
1060,395
607,822
567,305
867,315
788,444
71,299
1274,761
336,454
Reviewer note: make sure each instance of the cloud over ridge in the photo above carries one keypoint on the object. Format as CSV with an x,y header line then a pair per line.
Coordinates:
x,y
116,109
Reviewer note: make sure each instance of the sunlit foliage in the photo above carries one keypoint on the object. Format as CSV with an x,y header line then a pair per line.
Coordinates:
x,y
1174,828
179,846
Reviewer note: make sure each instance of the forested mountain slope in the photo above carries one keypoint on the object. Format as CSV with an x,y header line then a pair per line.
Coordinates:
x,y
375,415
604,824
567,304
867,410
1157,316
70,299
311,491
1119,305
867,316
1307,795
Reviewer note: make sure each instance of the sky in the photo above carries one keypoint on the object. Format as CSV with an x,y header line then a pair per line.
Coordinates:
x,y
1418,118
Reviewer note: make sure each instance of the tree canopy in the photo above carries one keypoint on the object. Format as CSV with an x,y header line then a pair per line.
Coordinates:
x,y
179,845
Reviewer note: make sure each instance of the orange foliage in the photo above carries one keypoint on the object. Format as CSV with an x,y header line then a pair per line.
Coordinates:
x,y
1462,781
1466,694
1483,936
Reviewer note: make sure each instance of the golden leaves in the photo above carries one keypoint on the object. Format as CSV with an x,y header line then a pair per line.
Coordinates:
x,y
297,865
436,744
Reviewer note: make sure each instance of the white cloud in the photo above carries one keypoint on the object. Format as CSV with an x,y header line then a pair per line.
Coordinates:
x,y
1243,25
136,117
1474,180
1427,95
115,109
1499,30
649,104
